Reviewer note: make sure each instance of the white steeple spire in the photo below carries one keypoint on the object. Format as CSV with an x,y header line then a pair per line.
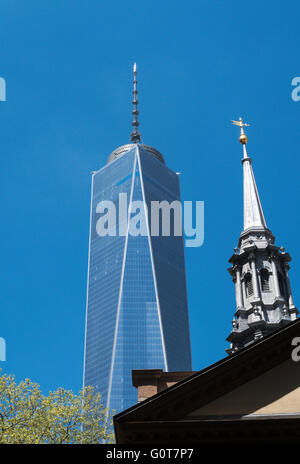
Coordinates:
x,y
253,212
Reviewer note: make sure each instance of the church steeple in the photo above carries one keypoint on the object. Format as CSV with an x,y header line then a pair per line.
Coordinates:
x,y
264,300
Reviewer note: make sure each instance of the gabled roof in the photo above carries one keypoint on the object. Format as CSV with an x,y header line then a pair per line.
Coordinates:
x,y
170,407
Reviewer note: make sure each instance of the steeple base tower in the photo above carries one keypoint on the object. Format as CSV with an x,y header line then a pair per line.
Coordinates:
x,y
263,293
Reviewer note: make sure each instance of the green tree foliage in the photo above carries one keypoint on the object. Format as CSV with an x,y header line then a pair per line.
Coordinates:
x,y
27,416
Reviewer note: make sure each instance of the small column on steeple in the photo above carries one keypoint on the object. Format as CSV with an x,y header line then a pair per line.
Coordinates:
x,y
291,300
275,276
239,295
254,276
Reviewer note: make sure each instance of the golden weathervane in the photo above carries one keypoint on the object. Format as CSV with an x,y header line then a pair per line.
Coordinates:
x,y
243,138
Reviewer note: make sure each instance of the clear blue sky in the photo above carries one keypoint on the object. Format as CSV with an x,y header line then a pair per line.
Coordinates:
x,y
68,68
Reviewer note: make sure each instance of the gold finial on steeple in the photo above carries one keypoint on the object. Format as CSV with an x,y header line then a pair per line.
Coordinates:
x,y
243,138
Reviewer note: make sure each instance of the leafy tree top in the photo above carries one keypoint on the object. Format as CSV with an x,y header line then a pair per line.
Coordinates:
x,y
28,416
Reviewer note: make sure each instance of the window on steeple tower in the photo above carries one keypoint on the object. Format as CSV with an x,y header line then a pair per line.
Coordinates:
x,y
265,282
248,284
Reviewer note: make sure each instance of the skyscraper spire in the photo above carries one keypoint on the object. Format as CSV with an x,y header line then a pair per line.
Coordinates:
x,y
264,300
135,135
253,212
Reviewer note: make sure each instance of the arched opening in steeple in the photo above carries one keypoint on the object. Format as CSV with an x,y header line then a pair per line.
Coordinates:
x,y
265,280
248,284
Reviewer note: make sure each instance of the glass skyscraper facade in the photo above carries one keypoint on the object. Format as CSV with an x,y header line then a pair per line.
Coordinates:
x,y
137,313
